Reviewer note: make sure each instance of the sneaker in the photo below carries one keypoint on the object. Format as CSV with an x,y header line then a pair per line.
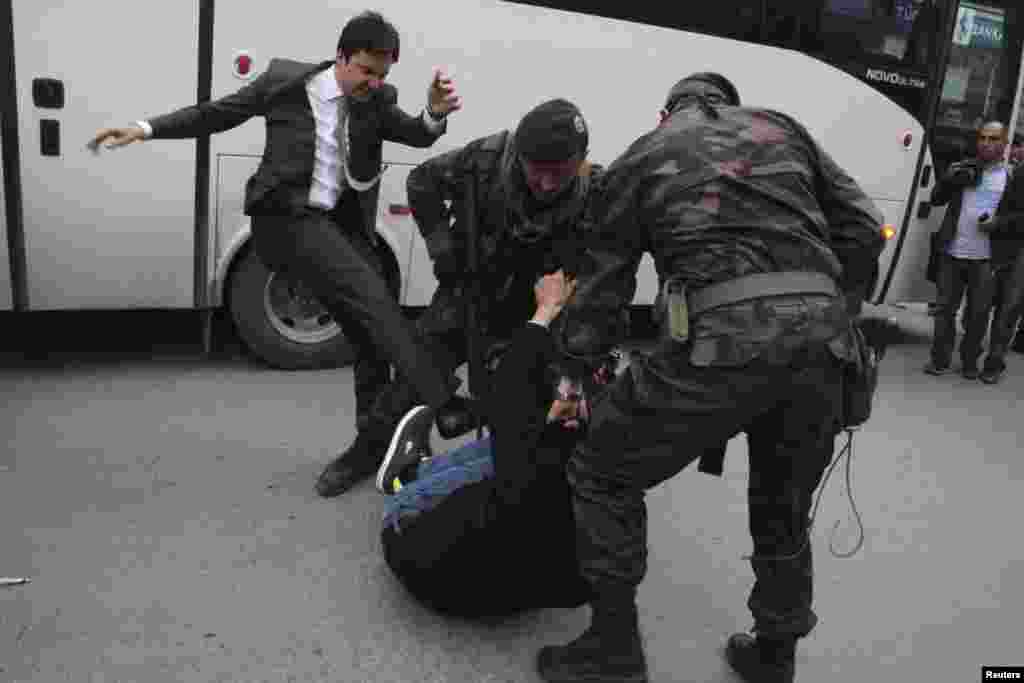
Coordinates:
x,y
970,373
992,376
934,369
409,445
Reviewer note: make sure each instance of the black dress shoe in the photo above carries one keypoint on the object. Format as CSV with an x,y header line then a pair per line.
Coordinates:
x,y
992,375
970,373
456,417
759,660
351,467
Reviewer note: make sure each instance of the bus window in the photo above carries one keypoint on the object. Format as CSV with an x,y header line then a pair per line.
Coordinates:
x,y
887,43
882,31
981,77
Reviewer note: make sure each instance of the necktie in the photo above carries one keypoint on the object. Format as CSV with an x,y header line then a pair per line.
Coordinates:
x,y
342,139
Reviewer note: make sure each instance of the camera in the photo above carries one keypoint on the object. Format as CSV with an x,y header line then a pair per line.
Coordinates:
x,y
964,172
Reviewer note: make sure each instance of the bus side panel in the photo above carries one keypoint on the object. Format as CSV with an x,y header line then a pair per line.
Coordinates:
x,y
892,214
517,56
909,281
6,295
113,230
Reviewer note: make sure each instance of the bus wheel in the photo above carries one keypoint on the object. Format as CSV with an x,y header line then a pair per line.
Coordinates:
x,y
281,321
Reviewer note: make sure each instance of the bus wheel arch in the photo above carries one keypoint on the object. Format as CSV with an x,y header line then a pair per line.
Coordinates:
x,y
278,320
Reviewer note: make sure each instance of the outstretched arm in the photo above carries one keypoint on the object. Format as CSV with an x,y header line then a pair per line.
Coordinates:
x,y
522,402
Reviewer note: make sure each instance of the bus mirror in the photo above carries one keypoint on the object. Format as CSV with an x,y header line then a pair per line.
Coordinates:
x,y
926,176
924,209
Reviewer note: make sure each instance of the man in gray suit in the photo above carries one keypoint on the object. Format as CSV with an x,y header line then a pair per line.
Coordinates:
x,y
313,198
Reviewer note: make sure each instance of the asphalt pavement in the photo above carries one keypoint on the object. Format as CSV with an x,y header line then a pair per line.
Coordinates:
x,y
162,504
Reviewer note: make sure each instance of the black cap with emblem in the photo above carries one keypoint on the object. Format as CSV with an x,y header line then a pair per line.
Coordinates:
x,y
552,131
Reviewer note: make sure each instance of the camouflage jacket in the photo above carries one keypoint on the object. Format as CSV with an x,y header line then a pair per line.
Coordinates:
x,y
718,193
513,238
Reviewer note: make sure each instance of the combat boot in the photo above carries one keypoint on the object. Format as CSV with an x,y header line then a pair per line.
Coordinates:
x,y
762,660
610,651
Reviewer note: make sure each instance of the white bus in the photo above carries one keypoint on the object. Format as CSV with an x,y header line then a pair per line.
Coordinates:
x,y
891,88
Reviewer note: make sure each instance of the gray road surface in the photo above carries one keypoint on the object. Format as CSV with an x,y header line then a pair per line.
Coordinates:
x,y
164,510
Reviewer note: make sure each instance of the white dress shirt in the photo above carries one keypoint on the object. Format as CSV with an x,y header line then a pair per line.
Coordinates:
x,y
328,178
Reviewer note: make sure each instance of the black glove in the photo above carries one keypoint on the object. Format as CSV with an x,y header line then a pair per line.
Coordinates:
x,y
445,253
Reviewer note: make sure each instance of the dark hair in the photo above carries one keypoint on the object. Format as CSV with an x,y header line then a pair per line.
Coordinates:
x,y
369,32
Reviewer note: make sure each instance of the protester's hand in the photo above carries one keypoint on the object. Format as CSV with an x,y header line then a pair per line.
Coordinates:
x,y
441,96
570,408
551,293
987,223
116,137
570,413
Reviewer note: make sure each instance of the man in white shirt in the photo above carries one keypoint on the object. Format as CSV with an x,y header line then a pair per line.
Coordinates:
x,y
973,189
313,198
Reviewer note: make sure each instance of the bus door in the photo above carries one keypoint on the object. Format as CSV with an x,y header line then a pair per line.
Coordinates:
x,y
6,295
112,230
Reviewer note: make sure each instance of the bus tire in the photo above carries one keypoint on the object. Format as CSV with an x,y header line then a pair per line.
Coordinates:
x,y
281,322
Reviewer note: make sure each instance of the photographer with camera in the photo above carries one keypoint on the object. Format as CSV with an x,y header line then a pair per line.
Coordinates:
x,y
973,189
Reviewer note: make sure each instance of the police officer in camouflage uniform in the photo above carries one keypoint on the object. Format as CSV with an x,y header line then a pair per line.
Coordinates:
x,y
772,247
531,190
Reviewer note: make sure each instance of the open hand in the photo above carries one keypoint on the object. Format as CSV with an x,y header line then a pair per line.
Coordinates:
x,y
116,137
441,96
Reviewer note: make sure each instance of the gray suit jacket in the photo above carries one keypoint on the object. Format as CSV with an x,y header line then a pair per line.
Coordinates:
x,y
281,184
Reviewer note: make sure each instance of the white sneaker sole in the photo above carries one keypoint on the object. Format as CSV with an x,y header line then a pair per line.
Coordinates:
x,y
392,451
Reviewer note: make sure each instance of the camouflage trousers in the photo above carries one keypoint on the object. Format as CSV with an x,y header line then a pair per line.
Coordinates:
x,y
662,414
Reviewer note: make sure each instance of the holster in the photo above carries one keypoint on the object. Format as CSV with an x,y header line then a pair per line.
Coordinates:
x,y
676,307
860,378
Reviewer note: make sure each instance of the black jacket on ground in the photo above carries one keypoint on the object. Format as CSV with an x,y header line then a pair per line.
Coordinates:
x,y
505,544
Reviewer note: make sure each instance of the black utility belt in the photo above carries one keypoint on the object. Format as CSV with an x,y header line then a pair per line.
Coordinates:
x,y
680,305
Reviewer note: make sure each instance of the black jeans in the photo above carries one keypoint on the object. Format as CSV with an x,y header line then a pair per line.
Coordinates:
x,y
441,331
343,270
957,278
663,413
1007,314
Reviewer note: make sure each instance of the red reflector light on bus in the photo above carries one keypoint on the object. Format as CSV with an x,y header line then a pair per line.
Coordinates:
x,y
243,64
888,232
